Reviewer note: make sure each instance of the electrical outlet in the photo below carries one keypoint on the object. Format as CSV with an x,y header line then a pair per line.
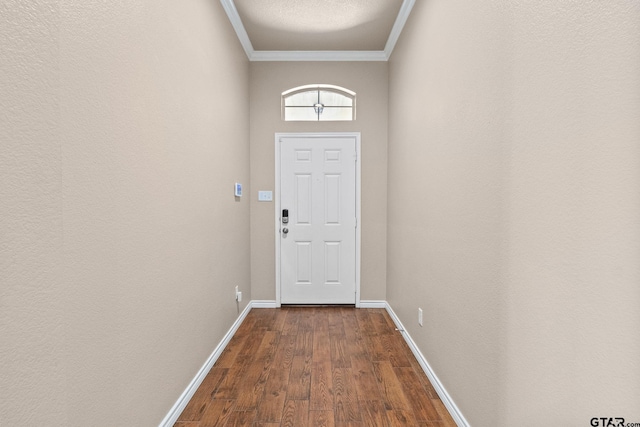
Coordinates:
x,y
239,296
420,316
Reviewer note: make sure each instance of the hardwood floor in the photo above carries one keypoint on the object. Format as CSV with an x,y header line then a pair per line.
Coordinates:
x,y
318,366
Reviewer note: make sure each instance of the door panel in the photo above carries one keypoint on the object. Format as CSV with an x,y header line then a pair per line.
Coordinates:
x,y
303,197
303,263
318,187
332,197
332,263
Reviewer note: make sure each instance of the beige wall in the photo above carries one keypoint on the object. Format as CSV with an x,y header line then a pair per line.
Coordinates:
x,y
369,81
514,198
124,126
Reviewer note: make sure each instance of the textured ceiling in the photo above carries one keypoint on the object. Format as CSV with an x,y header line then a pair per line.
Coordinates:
x,y
318,25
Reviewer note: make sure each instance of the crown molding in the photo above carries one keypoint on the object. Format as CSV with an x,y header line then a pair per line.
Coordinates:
x,y
318,55
230,7
401,20
326,55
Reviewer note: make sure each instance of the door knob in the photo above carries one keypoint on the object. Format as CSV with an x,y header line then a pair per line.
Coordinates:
x,y
285,230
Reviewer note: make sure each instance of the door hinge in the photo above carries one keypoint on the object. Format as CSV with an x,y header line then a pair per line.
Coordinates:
x,y
356,222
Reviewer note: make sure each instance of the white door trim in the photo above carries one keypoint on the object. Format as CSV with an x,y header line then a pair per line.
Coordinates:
x,y
277,223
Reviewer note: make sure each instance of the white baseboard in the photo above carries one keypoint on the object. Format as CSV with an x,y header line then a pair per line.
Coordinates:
x,y
170,419
264,304
433,378
363,304
372,304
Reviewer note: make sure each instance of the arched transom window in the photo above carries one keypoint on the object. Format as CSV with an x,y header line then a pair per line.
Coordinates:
x,y
318,103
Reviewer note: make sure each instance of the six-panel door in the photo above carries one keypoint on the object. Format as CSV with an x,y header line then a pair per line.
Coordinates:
x,y
318,188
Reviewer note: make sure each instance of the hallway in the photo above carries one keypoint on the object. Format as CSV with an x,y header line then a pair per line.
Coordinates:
x,y
500,217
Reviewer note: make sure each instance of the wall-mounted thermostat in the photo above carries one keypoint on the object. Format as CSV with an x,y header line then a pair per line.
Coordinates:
x,y
238,189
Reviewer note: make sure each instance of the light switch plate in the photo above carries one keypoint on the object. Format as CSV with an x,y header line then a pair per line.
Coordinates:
x,y
265,196
238,190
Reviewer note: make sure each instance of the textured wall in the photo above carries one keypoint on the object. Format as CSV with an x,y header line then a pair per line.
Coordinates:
x,y
32,336
446,167
124,126
573,212
369,81
514,197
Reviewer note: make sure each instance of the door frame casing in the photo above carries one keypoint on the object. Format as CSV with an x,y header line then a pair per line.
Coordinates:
x,y
278,224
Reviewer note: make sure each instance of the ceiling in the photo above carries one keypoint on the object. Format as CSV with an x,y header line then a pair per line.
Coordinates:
x,y
318,30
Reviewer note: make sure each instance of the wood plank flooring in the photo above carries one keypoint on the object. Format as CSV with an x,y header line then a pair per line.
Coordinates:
x,y
316,366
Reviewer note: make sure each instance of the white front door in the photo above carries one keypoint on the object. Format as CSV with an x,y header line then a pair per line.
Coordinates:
x,y
317,219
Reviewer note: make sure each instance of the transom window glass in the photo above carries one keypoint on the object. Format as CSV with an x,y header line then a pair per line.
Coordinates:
x,y
318,103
